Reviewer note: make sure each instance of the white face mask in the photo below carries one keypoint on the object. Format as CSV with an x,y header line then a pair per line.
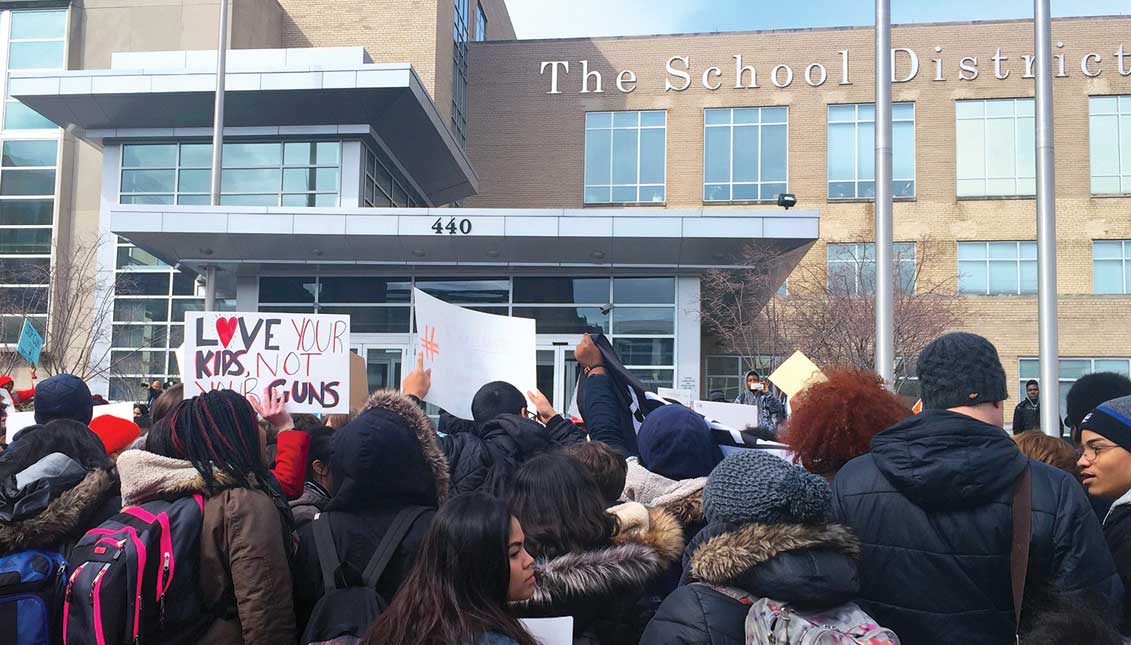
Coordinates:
x,y
757,387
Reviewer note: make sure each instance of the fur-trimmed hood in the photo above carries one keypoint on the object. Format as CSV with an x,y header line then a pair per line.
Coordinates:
x,y
682,498
803,564
147,476
388,455
64,518
639,553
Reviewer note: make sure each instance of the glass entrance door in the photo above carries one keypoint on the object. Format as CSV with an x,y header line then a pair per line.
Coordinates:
x,y
557,373
383,365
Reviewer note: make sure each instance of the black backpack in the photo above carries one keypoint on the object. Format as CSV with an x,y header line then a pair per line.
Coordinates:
x,y
135,578
343,613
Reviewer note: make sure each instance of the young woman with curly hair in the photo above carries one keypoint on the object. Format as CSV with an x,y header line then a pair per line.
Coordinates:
x,y
834,421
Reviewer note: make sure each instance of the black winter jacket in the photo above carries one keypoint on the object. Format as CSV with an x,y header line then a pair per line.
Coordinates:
x,y
812,567
1117,533
1026,416
931,505
385,460
485,457
603,588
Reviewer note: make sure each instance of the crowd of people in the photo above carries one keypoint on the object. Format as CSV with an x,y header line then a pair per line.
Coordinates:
x,y
384,527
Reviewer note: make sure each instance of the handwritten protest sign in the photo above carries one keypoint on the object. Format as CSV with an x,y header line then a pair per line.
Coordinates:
x,y
303,356
30,343
467,349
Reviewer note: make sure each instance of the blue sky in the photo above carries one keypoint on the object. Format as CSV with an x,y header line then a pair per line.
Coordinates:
x,y
571,18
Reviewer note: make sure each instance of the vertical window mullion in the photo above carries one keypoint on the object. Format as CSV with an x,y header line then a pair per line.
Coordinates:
x,y
639,132
730,149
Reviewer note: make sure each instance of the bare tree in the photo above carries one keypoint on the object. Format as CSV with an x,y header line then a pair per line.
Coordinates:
x,y
829,313
70,300
742,307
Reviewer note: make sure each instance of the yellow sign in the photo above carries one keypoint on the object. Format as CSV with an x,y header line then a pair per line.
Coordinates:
x,y
796,373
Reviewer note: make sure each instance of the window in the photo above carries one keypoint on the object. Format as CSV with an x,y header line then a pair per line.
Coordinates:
x,y
29,143
986,268
852,267
852,151
383,185
1070,370
1110,266
745,154
459,71
1109,126
480,23
624,157
27,205
150,302
995,148
36,41
293,173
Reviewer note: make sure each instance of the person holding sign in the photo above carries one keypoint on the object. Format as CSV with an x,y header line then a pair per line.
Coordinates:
x,y
756,392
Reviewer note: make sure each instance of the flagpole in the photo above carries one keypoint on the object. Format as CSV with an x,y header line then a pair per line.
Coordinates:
x,y
885,344
1046,222
217,141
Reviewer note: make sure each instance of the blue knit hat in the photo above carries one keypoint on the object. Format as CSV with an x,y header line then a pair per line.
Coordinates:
x,y
676,442
63,396
756,486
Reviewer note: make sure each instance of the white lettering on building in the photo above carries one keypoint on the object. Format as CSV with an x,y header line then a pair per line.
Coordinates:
x,y
904,65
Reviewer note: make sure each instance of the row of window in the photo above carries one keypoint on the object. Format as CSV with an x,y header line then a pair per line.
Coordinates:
x,y
746,151
29,40
984,268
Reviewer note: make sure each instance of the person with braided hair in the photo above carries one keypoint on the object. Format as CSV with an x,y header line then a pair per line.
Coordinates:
x,y
212,445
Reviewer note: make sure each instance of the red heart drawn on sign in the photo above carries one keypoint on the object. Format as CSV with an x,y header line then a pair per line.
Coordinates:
x,y
225,329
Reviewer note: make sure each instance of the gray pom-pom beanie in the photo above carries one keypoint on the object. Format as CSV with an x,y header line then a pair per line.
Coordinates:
x,y
752,486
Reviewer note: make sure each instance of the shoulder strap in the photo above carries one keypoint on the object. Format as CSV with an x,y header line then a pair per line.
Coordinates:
x,y
327,552
1019,550
389,543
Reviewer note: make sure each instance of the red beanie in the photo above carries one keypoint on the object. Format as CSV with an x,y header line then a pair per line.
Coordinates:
x,y
116,433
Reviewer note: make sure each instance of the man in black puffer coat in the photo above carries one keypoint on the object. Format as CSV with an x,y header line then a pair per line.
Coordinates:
x,y
931,505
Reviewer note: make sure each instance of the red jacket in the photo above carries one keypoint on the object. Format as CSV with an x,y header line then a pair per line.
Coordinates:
x,y
291,450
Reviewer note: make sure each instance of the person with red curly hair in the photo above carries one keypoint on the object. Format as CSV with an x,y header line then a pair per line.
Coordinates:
x,y
834,421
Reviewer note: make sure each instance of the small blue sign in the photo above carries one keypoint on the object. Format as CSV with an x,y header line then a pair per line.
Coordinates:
x,y
30,343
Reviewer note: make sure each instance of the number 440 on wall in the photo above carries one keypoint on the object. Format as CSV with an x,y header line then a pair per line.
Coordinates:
x,y
452,227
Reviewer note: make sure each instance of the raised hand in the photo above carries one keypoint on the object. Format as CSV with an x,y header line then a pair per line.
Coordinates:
x,y
419,380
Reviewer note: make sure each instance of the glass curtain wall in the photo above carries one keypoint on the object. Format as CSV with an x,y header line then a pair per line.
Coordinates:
x,y
637,313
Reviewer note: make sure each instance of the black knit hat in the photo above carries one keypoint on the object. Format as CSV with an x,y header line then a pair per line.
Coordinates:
x,y
1112,421
960,369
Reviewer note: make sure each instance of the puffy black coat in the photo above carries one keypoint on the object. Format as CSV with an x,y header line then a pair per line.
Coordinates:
x,y
603,588
485,457
1117,533
932,506
812,567
56,519
385,460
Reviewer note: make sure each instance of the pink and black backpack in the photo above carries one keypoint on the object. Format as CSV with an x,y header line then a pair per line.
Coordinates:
x,y
135,578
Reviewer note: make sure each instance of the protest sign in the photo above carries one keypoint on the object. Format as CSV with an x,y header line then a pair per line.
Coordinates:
x,y
30,343
19,420
796,373
682,396
550,631
732,415
305,357
467,349
359,382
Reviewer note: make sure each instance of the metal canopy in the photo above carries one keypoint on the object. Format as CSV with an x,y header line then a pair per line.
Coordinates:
x,y
694,239
387,97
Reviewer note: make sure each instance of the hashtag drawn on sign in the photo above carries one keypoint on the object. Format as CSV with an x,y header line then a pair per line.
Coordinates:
x,y
428,343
